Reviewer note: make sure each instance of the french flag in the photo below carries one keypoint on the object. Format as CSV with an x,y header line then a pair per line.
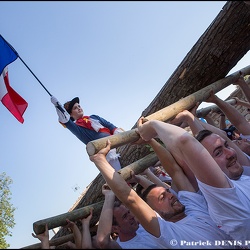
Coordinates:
x,y
10,98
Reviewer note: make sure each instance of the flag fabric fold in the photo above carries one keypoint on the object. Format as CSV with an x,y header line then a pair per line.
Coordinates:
x,y
7,54
10,98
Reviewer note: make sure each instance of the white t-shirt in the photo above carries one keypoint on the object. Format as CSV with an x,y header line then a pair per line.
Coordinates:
x,y
230,207
196,230
141,241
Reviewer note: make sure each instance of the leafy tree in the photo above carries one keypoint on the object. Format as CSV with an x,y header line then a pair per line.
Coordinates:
x,y
6,210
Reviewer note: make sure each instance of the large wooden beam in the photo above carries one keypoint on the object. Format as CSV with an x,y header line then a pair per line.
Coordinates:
x,y
166,113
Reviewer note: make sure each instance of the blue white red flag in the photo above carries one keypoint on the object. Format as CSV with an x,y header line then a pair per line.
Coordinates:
x,y
7,54
10,98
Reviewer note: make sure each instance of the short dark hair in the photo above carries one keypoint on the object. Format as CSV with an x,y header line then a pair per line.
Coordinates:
x,y
203,134
144,194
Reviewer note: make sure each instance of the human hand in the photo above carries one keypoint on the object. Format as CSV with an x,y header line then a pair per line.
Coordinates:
x,y
240,80
181,118
133,178
88,218
145,129
43,236
212,97
193,110
70,224
101,155
54,100
106,190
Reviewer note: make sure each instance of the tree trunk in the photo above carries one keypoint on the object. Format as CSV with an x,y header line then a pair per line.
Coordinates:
x,y
222,45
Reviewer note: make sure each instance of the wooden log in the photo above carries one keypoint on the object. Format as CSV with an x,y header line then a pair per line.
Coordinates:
x,y
60,220
54,242
166,113
58,241
139,166
204,111
118,140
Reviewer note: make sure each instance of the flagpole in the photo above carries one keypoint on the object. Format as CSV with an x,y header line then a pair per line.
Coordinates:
x,y
34,75
25,65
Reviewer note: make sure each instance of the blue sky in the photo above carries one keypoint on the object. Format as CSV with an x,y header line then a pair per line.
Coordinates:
x,y
115,56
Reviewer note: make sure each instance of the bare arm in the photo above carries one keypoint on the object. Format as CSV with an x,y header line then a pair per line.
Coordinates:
x,y
142,211
233,115
76,233
154,179
222,121
185,146
44,238
198,126
172,167
242,103
86,242
243,84
103,238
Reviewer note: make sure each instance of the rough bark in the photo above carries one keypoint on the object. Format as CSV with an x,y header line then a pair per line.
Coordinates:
x,y
217,51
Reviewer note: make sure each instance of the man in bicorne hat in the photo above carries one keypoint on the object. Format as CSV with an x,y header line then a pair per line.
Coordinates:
x,y
86,128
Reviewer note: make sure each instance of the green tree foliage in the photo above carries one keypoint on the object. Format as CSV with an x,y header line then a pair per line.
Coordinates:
x,y
6,210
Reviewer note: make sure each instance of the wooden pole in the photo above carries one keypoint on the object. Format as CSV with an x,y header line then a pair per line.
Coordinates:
x,y
60,220
166,113
204,111
54,242
139,166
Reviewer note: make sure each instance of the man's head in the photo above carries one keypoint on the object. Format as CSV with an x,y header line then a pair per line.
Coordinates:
x,y
224,155
163,202
74,109
124,222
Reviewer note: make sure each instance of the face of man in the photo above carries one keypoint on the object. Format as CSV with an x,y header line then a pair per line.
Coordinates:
x,y
126,221
165,204
77,111
224,155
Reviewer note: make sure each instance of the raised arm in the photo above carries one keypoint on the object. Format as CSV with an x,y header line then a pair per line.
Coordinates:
x,y
172,167
86,240
196,126
141,210
244,86
76,233
103,238
44,238
185,146
233,115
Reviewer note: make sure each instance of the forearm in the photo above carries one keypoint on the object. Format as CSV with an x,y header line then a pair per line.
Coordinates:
x,y
77,236
245,88
242,103
144,182
113,178
223,121
45,244
86,242
186,146
105,221
176,171
235,117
